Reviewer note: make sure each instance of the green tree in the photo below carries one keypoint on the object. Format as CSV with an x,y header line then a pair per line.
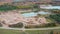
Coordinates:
x,y
56,17
7,7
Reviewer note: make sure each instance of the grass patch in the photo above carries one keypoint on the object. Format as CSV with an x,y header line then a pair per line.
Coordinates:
x,y
6,31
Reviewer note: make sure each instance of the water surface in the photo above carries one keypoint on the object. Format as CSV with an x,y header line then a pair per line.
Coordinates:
x,y
35,14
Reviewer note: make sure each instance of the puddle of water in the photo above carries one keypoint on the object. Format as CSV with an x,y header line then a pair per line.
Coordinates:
x,y
29,14
34,14
42,12
51,7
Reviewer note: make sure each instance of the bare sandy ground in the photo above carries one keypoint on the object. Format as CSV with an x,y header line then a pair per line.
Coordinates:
x,y
14,17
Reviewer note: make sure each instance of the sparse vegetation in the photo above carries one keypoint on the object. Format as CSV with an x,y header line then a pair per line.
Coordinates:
x,y
51,32
24,7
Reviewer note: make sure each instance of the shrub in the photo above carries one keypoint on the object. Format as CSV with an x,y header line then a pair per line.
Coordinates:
x,y
18,25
